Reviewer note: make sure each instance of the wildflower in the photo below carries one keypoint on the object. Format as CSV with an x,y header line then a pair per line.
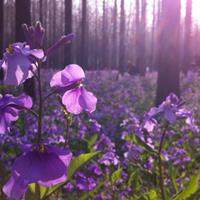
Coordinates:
x,y
76,98
42,164
19,62
9,109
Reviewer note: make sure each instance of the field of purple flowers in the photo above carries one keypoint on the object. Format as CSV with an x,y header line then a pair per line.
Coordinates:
x,y
94,135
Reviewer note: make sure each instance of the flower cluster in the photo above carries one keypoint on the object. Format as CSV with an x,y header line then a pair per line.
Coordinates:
x,y
39,163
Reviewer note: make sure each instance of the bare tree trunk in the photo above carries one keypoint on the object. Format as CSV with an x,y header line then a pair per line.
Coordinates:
x,y
141,56
84,35
187,37
104,38
137,34
22,16
68,29
1,28
153,37
168,71
122,39
114,37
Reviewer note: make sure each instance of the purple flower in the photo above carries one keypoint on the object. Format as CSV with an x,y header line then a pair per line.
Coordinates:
x,y
109,159
42,164
34,35
19,62
65,39
168,108
9,109
84,183
76,98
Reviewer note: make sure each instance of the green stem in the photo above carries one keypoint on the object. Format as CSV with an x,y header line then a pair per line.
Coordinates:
x,y
40,110
161,179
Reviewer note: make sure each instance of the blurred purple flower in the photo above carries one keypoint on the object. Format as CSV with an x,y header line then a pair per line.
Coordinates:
x,y
19,62
95,169
65,39
34,35
76,98
9,109
168,108
109,158
43,164
84,183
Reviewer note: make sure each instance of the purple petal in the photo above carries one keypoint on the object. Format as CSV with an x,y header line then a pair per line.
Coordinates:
x,y
170,116
16,68
47,168
87,100
71,100
38,53
15,188
69,75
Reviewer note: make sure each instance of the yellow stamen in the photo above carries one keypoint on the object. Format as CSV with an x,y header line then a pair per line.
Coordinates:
x,y
10,49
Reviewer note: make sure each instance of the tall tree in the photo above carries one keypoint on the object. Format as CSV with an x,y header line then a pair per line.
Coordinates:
x,y
68,29
141,41
187,37
104,36
114,37
84,35
23,16
137,33
152,53
1,28
122,39
168,71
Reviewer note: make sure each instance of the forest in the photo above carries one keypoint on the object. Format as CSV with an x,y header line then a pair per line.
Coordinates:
x,y
99,99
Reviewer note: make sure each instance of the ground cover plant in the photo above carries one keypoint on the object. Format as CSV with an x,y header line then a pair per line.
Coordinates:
x,y
93,135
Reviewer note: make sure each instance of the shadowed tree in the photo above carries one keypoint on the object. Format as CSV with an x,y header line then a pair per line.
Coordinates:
x,y
140,40
68,29
168,60
1,28
114,37
23,16
84,36
122,39
187,37
104,50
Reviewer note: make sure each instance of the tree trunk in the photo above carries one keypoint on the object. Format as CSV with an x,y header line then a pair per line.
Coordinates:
x,y
84,35
104,50
22,16
114,37
187,37
168,71
1,28
122,39
68,29
141,56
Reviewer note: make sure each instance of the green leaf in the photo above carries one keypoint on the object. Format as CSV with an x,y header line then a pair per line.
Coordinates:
x,y
137,140
152,195
191,188
42,190
133,180
79,161
92,140
116,175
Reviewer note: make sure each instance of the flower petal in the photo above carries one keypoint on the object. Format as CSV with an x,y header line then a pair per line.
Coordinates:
x,y
15,188
87,100
69,75
16,67
71,100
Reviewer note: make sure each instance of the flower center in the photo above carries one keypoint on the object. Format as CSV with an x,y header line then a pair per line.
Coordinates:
x,y
41,148
10,49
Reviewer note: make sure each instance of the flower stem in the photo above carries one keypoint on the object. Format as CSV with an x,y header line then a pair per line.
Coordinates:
x,y
40,109
161,179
